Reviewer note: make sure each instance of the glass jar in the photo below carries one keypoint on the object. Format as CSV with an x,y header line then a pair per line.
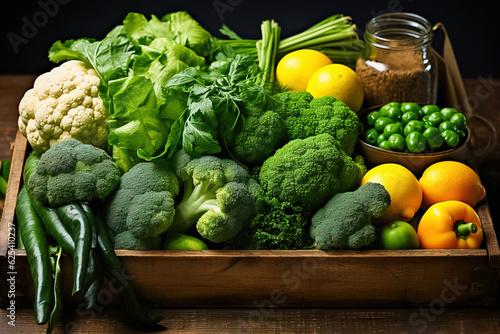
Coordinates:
x,y
397,64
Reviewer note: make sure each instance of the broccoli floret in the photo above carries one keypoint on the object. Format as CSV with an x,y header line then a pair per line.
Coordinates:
x,y
218,197
259,137
71,171
293,103
310,171
326,114
280,225
143,205
345,220
127,240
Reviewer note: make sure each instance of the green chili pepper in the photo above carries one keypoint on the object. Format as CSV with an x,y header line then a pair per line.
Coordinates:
x,y
381,122
94,278
415,142
448,112
76,221
451,138
58,290
37,251
371,136
54,225
433,137
459,120
413,125
114,271
397,142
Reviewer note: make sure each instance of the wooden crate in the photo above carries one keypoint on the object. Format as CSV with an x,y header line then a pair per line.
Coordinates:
x,y
267,279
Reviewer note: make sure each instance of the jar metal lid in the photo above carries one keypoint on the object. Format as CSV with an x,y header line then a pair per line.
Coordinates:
x,y
398,31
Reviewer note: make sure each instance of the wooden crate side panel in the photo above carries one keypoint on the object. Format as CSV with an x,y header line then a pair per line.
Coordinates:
x,y
175,280
491,240
15,176
309,282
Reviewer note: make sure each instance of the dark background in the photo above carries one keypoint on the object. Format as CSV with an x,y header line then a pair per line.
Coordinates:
x,y
473,25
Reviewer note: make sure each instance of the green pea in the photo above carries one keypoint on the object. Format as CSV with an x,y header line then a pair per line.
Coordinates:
x,y
385,108
447,125
393,128
409,116
459,120
397,142
394,113
415,142
381,123
448,112
380,139
414,125
411,106
436,118
433,137
371,136
372,117
428,109
385,145
451,138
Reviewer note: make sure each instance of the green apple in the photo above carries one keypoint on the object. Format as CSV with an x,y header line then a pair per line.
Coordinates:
x,y
398,235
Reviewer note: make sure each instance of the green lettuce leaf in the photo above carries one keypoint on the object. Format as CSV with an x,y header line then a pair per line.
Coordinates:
x,y
111,57
136,124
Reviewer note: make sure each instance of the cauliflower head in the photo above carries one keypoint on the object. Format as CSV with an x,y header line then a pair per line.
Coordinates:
x,y
64,103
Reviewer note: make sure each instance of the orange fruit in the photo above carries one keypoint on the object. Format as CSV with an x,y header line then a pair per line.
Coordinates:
x,y
402,185
295,68
339,81
451,180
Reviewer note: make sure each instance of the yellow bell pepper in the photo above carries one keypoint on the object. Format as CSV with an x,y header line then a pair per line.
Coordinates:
x,y
450,224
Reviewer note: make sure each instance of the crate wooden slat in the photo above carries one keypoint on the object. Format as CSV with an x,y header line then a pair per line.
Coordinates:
x,y
306,278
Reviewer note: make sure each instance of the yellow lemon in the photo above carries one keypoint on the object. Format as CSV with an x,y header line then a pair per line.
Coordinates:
x,y
402,185
295,68
339,81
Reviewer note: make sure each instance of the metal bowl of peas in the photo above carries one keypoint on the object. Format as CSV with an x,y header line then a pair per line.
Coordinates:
x,y
412,134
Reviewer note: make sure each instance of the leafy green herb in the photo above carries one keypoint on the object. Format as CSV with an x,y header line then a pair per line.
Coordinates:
x,y
215,96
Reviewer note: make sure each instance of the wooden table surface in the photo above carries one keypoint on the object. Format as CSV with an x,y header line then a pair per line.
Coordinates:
x,y
484,94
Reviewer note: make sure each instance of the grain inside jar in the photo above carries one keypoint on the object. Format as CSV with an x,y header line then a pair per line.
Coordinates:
x,y
396,64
